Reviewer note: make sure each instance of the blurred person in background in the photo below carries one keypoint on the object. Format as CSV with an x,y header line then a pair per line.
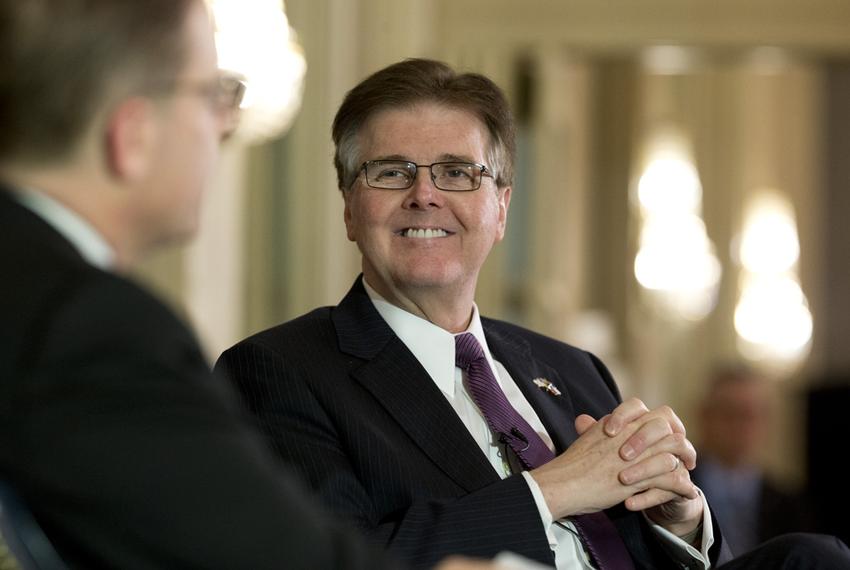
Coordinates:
x,y
112,429
736,417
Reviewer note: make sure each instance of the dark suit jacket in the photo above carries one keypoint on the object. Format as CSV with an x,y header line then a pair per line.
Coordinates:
x,y
346,403
113,430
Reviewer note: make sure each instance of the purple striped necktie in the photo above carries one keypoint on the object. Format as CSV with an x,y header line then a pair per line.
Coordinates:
x,y
596,530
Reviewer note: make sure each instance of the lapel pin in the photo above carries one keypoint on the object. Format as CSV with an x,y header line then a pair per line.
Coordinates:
x,y
546,386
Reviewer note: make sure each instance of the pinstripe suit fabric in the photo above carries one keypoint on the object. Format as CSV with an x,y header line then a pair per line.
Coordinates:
x,y
346,404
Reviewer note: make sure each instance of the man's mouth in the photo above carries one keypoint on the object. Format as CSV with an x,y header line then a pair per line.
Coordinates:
x,y
424,233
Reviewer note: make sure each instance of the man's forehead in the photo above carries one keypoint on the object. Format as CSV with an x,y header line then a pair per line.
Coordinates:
x,y
444,157
200,39
438,131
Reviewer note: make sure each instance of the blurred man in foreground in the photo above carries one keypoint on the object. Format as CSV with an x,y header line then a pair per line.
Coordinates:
x,y
128,452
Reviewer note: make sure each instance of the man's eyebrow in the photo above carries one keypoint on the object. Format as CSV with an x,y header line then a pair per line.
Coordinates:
x,y
445,157
393,157
456,158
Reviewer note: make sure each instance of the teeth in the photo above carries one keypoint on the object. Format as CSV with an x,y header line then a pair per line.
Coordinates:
x,y
424,234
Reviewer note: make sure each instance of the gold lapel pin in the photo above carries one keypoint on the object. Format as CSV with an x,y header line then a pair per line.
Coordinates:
x,y
547,386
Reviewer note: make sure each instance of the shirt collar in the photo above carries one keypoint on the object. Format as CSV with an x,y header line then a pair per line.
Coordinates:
x,y
432,346
76,229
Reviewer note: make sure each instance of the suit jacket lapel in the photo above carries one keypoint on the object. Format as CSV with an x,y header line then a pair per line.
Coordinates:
x,y
396,379
556,412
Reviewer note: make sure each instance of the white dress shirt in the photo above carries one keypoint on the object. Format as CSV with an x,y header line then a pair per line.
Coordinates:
x,y
73,227
434,348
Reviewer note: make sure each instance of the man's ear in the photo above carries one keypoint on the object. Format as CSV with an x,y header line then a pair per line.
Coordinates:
x,y
131,131
346,215
504,204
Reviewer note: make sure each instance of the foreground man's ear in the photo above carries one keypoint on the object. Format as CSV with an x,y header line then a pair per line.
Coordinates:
x,y
130,138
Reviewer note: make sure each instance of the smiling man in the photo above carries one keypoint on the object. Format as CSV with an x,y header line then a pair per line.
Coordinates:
x,y
424,238
432,428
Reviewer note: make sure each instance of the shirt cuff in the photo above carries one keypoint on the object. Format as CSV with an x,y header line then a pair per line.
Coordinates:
x,y
542,508
680,549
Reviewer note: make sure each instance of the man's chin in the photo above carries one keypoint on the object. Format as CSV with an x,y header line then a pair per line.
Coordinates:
x,y
173,237
425,278
416,277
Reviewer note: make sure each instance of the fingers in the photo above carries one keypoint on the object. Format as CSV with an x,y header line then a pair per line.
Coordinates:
x,y
655,497
647,435
584,479
655,426
625,413
657,435
649,468
648,499
680,515
599,470
463,563
584,423
660,479
666,455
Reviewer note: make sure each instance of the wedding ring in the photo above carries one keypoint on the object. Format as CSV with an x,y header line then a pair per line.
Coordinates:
x,y
678,462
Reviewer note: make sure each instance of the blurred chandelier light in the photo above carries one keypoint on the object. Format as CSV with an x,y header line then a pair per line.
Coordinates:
x,y
254,39
675,263
669,59
772,317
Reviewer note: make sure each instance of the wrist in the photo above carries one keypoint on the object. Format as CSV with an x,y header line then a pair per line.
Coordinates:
x,y
682,521
694,537
556,493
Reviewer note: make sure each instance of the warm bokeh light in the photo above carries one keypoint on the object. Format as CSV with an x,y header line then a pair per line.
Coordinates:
x,y
769,241
772,318
675,263
254,40
675,253
670,59
670,184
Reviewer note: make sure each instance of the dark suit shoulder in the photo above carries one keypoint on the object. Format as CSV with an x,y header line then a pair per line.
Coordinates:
x,y
50,297
557,354
107,312
534,339
310,327
285,359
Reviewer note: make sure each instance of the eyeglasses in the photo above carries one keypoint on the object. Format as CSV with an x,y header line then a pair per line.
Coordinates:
x,y
223,94
400,174
230,92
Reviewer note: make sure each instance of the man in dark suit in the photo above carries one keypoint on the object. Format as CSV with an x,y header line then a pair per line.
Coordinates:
x,y
436,430
128,452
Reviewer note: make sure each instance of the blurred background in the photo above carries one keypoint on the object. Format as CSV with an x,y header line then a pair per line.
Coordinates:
x,y
681,203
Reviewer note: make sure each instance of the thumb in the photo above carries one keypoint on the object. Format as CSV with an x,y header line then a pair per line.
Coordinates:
x,y
584,423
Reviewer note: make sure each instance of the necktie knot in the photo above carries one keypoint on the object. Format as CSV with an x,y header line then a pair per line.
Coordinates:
x,y
467,350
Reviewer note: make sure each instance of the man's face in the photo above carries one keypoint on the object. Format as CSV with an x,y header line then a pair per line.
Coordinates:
x,y
465,225
736,423
189,130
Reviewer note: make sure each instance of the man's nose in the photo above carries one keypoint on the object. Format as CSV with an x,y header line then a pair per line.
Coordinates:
x,y
424,194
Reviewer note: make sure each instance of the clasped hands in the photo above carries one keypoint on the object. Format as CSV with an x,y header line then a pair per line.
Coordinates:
x,y
634,455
